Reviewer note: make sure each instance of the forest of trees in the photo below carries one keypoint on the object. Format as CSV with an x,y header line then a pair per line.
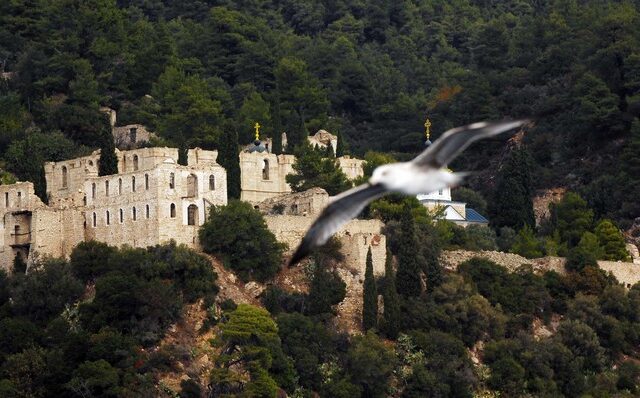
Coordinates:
x,y
202,72
199,71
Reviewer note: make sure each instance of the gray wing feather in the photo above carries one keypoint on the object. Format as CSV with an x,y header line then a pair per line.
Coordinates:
x,y
345,207
454,141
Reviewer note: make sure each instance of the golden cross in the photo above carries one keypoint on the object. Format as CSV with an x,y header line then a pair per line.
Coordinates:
x,y
427,128
257,127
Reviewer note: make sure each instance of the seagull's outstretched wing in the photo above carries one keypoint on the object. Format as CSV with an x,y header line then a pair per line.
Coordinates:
x,y
345,207
454,141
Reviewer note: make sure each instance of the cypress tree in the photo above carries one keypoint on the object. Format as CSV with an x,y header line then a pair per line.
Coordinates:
x,y
183,154
108,163
340,146
228,157
408,277
369,297
512,205
391,320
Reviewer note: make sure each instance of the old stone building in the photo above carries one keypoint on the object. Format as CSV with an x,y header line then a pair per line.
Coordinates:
x,y
322,139
263,173
151,200
128,136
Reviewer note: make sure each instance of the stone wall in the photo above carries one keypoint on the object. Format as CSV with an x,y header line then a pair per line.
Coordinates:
x,y
322,138
627,273
150,201
147,216
356,237
55,232
17,204
129,136
306,203
352,167
256,184
64,179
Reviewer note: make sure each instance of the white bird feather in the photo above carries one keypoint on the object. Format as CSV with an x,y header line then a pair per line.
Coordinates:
x,y
425,173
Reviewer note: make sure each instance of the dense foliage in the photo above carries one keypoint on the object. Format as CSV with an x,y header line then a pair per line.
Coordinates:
x,y
61,339
238,234
195,70
203,72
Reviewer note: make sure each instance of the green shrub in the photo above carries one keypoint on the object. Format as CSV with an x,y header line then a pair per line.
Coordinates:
x,y
238,234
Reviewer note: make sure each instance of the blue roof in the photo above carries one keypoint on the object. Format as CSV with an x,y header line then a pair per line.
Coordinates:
x,y
474,216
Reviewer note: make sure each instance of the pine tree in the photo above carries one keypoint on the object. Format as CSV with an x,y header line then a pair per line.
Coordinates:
x,y
369,297
612,241
585,253
228,157
512,205
108,163
391,320
408,277
526,244
571,217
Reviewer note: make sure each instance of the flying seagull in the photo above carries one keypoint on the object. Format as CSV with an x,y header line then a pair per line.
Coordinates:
x,y
425,173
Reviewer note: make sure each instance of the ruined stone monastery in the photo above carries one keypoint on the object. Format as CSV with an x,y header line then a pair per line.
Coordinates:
x,y
151,200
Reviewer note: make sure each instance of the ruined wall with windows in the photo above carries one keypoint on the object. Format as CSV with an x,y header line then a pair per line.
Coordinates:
x,y
263,175
151,200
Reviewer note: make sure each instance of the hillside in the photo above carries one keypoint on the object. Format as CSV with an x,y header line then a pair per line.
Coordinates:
x,y
98,300
193,71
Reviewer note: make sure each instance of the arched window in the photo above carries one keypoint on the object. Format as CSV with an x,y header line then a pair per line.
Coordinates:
x,y
133,183
265,170
119,186
146,181
147,211
135,162
172,180
212,182
192,215
91,163
134,214
173,211
6,199
94,220
121,215
64,176
106,188
108,218
93,190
